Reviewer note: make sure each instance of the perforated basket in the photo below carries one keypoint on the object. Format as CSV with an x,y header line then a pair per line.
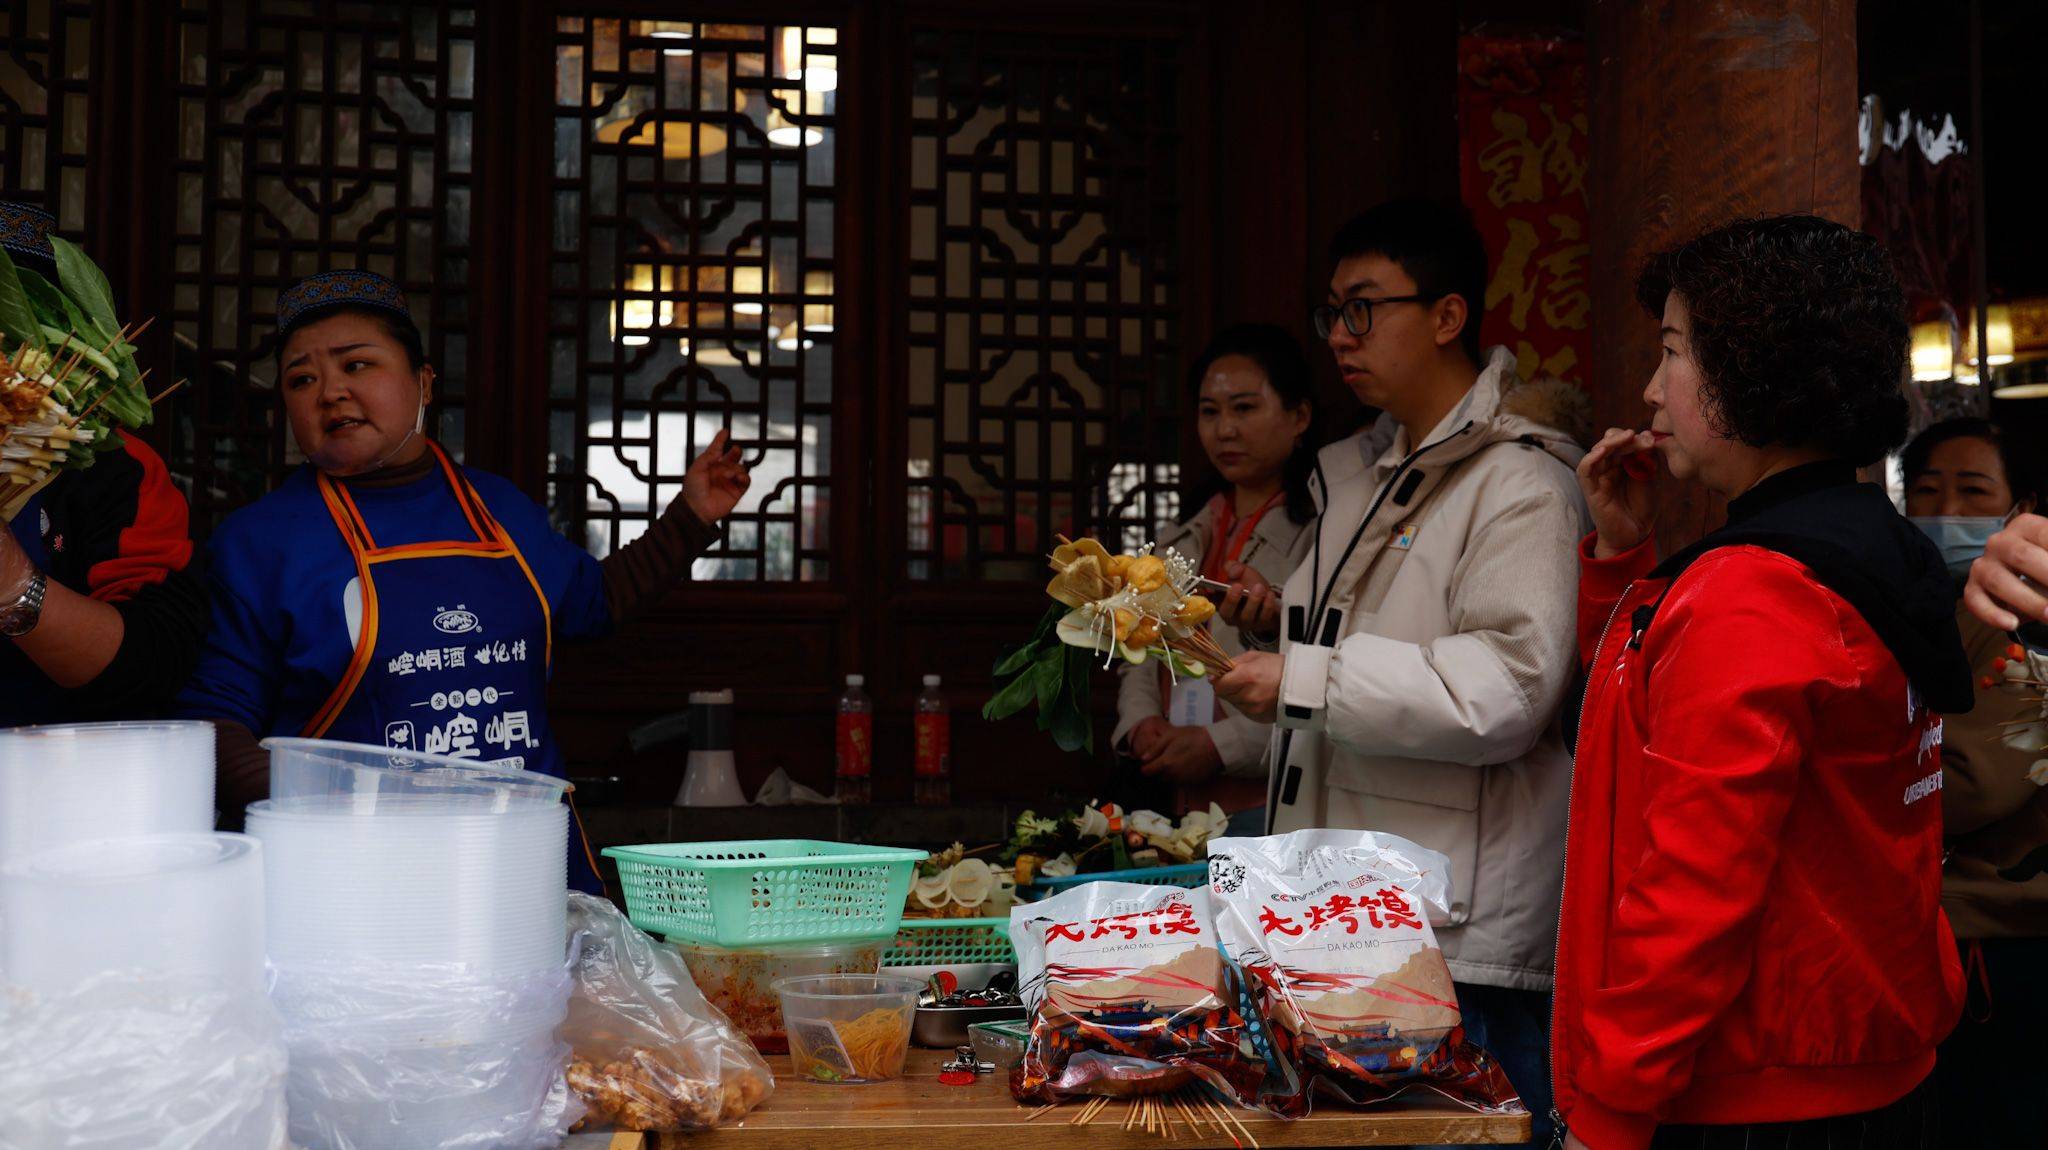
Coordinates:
x,y
1185,874
950,942
760,891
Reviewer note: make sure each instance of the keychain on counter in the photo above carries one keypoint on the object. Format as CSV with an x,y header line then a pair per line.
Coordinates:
x,y
964,1069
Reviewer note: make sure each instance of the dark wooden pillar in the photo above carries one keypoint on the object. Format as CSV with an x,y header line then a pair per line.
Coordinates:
x,y
1703,113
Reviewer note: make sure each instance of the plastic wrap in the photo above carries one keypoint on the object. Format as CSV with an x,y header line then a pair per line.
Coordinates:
x,y
1334,933
422,1057
649,1053
1129,994
122,1061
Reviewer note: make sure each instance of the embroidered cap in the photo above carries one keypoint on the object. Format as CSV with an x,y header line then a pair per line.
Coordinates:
x,y
25,233
312,297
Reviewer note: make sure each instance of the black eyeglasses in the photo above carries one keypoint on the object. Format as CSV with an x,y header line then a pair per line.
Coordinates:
x,y
1357,313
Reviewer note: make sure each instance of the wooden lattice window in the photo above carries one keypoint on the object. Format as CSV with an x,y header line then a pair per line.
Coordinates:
x,y
309,137
692,280
45,61
1044,296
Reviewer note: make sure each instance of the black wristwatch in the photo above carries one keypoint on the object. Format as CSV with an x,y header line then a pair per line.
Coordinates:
x,y
21,616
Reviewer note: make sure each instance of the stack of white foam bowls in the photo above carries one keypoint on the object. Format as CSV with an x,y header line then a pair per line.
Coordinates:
x,y
417,927
61,785
138,1014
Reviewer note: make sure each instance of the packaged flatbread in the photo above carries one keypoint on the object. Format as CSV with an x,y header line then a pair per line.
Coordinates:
x,y
1128,995
1334,933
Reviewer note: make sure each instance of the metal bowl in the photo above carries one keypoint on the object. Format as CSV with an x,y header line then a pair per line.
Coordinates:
x,y
945,1027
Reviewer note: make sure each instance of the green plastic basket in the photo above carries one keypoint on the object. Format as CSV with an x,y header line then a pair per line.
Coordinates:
x,y
758,892
950,942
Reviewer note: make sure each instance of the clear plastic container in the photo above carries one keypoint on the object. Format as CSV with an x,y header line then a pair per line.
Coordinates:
x,y
848,1028
319,768
740,981
69,784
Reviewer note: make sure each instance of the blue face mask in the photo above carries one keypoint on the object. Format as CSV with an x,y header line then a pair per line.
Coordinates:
x,y
1960,537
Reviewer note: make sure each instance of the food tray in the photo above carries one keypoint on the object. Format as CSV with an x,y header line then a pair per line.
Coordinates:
x,y
754,892
1180,874
934,942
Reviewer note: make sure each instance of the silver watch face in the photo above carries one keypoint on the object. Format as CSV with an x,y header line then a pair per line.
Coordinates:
x,y
20,617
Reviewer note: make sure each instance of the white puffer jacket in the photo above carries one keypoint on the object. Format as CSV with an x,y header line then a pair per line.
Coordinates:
x,y
1453,570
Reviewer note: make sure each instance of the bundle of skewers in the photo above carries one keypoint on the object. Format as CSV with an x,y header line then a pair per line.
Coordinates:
x,y
2023,671
68,381
1138,606
1188,1110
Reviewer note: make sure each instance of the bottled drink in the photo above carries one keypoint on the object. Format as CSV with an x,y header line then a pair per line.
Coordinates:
x,y
934,746
856,742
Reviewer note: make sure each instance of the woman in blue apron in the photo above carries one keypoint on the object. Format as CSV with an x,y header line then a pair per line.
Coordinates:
x,y
384,594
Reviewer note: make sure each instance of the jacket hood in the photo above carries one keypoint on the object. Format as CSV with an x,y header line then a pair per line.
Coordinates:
x,y
1500,407
1848,534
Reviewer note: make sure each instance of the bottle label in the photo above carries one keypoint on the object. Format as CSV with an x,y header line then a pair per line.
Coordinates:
x,y
856,746
933,735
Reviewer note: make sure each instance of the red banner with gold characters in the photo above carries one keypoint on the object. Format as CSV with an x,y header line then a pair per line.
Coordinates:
x,y
1523,138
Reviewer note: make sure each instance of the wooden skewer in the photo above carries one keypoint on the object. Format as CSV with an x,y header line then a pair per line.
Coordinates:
x,y
1041,1111
159,396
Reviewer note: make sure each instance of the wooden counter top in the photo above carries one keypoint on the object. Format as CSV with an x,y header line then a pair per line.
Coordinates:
x,y
918,1113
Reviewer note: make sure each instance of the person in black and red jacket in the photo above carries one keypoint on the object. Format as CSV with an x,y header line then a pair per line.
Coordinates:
x,y
100,617
1752,949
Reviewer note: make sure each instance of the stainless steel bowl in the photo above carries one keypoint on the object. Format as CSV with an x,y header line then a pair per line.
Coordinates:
x,y
945,1027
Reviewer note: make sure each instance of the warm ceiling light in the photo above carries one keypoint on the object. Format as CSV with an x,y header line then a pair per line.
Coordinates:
x,y
1998,332
816,71
2021,390
746,281
784,134
1934,355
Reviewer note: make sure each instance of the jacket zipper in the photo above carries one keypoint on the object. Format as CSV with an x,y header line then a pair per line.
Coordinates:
x,y
1557,1130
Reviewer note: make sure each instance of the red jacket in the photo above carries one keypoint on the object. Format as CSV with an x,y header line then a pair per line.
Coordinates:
x,y
1751,928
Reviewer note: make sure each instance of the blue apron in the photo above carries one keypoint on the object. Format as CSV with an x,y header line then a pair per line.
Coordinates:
x,y
30,694
452,652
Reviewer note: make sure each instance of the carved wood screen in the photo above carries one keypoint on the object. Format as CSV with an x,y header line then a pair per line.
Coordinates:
x,y
1045,298
692,287
45,60
310,136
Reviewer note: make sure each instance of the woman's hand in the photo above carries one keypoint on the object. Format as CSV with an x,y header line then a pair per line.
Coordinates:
x,y
2009,585
1146,735
1571,1142
1185,756
1252,605
1624,507
714,483
15,569
1253,684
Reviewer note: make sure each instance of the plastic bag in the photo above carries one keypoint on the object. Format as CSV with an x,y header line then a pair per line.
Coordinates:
x,y
1129,994
1334,933
649,1052
425,1057
124,1060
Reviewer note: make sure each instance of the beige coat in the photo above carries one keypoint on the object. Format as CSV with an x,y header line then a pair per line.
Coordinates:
x,y
1276,546
1435,714
1995,817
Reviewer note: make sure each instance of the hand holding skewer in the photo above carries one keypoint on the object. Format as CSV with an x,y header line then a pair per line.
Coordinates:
x,y
1249,603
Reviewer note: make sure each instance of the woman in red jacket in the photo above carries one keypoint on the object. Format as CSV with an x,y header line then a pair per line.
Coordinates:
x,y
1751,944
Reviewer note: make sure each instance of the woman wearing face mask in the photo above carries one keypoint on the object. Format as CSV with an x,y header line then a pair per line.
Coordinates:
x,y
383,594
1963,482
1751,947
1254,412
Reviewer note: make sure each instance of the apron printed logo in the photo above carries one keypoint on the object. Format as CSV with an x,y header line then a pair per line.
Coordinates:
x,y
460,621
1406,538
398,735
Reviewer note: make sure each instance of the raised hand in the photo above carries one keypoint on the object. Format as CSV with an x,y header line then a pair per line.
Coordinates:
x,y
716,480
1620,491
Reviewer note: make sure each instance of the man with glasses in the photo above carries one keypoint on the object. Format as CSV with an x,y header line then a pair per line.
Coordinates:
x,y
1429,637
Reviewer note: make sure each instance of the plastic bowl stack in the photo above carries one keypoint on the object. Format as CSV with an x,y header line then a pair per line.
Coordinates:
x,y
137,1013
63,785
417,931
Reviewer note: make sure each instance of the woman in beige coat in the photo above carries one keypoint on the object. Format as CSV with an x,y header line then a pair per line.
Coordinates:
x,y
1254,413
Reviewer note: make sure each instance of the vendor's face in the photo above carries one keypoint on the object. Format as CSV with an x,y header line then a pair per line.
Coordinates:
x,y
352,398
1247,430
1964,477
1694,449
